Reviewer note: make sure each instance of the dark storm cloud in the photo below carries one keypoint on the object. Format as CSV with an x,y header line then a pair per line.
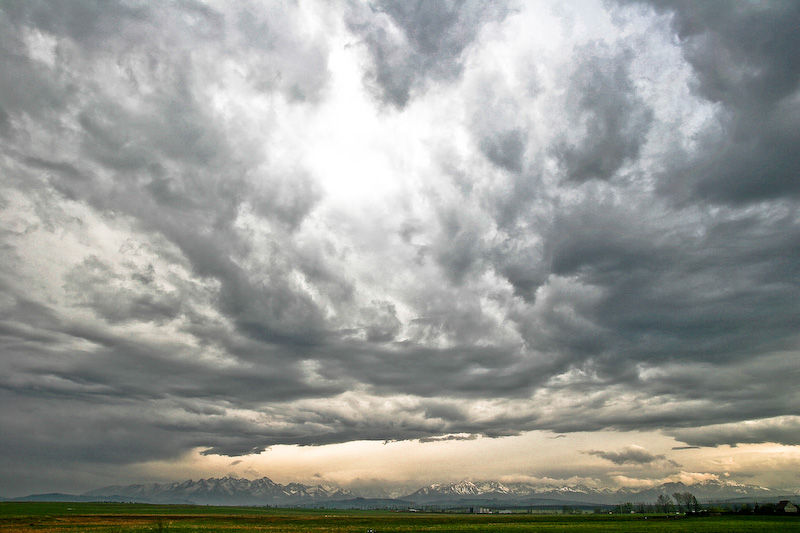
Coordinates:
x,y
382,324
608,121
143,144
156,397
782,430
506,149
85,433
503,137
458,247
93,283
164,159
411,43
123,366
84,21
522,265
464,370
694,289
745,58
634,455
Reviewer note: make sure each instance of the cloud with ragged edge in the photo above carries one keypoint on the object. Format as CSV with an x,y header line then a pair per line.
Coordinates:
x,y
440,438
783,429
232,226
633,455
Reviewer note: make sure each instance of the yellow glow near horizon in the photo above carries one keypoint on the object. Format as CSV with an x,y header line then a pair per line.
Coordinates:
x,y
539,457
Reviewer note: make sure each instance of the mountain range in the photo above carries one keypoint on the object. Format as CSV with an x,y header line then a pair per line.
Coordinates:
x,y
264,491
222,491
534,494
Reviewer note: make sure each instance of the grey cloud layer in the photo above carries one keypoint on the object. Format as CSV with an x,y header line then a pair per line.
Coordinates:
x,y
632,455
745,60
170,254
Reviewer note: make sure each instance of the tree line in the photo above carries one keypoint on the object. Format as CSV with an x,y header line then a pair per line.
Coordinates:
x,y
684,502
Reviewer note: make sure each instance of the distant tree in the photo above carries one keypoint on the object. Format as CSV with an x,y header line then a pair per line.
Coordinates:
x,y
686,502
624,508
693,503
767,508
680,500
664,504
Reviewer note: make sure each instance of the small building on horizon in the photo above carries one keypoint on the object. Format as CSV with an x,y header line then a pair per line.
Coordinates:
x,y
785,506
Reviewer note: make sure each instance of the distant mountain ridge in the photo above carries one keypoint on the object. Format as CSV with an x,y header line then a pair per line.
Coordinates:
x,y
265,492
222,491
521,493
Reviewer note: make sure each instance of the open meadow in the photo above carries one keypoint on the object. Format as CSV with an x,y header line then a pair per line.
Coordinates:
x,y
108,517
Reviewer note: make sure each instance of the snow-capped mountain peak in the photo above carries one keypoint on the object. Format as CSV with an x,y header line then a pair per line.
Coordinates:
x,y
520,491
232,490
226,490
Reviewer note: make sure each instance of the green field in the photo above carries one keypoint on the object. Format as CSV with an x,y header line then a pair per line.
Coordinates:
x,y
99,517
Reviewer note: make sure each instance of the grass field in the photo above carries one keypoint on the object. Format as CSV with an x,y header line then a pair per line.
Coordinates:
x,y
79,517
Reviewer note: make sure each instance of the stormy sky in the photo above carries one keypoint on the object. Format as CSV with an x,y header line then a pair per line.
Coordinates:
x,y
370,242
